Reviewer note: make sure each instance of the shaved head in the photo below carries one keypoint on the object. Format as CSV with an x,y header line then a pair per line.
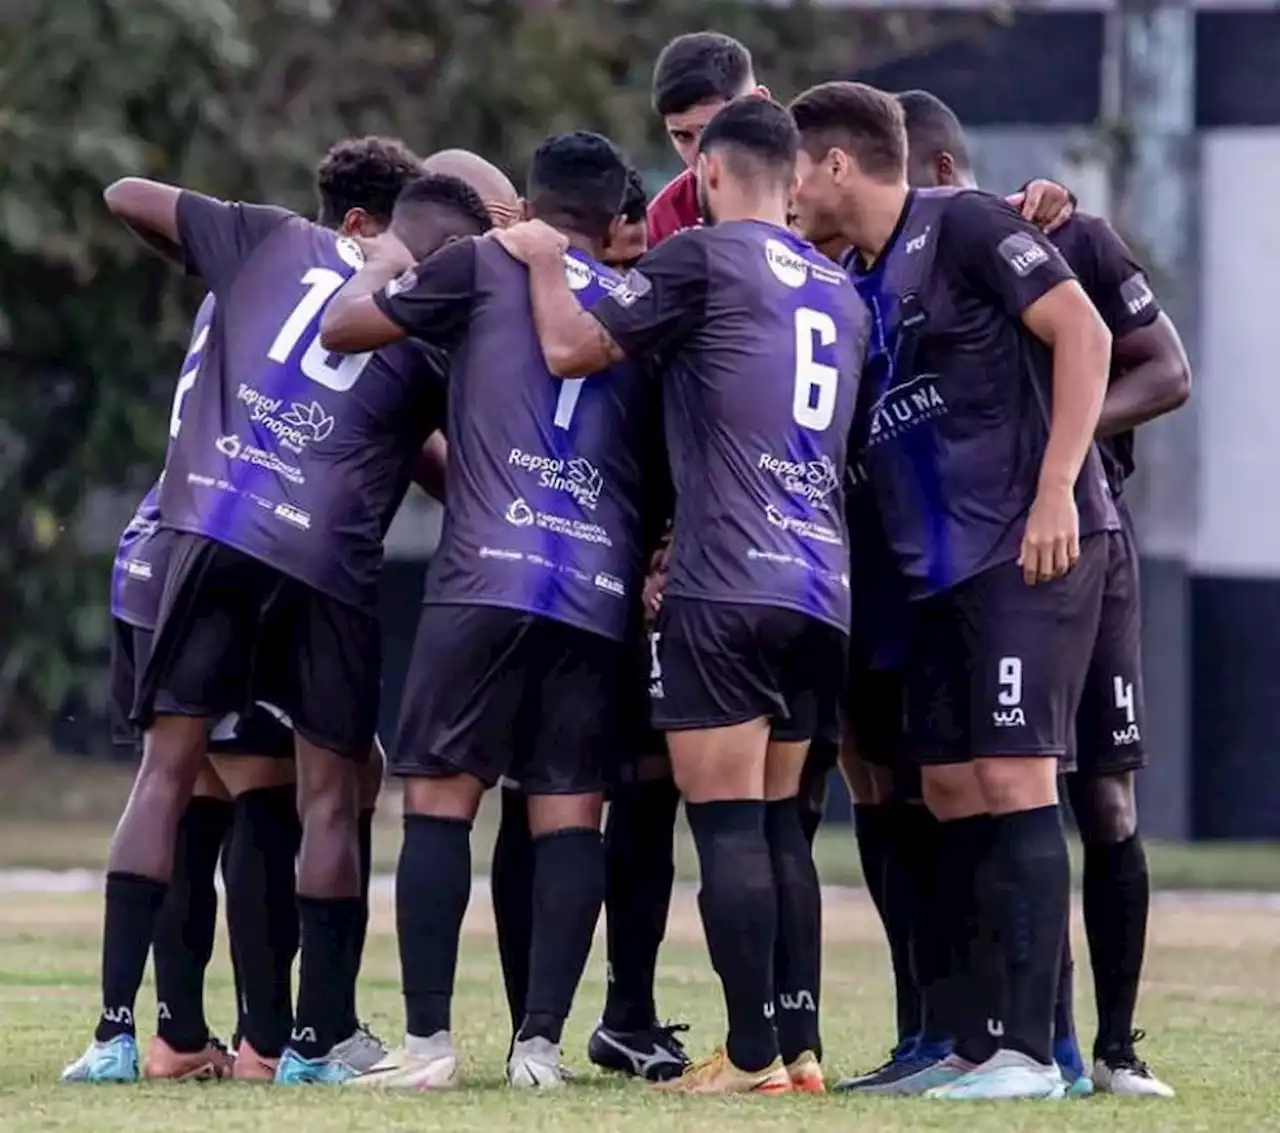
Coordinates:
x,y
493,186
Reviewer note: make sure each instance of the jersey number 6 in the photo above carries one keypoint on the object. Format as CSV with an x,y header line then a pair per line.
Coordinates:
x,y
813,403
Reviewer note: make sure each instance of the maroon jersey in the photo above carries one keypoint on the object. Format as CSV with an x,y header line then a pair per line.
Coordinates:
x,y
544,510
760,340
674,209
293,455
957,402
1119,289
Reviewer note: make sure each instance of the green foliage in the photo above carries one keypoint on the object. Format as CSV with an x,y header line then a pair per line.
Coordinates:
x,y
239,97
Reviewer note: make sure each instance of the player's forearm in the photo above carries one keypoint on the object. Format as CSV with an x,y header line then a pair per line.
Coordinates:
x,y
1154,378
573,341
1081,359
150,210
351,323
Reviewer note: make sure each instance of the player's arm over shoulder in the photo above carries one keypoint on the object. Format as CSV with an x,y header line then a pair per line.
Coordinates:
x,y
430,301
209,237
999,254
662,299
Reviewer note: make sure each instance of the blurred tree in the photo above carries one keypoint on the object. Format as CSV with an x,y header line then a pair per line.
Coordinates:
x,y
239,97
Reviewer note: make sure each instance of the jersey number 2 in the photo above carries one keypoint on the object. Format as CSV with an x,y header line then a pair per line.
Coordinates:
x,y
813,404
321,284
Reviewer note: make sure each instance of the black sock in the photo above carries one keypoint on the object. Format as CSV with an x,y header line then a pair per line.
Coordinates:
x,y
1117,898
797,954
568,891
512,888
930,952
1032,891
329,927
433,886
260,870
132,906
871,826
639,845
1064,1021
739,905
185,928
969,995
364,833
898,908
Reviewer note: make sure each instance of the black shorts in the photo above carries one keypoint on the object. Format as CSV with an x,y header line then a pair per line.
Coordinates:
x,y
639,739
497,693
1111,722
874,715
720,663
233,630
261,732
996,667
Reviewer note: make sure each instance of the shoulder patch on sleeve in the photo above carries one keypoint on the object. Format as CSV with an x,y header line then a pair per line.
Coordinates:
x,y
634,286
1022,253
1136,293
407,280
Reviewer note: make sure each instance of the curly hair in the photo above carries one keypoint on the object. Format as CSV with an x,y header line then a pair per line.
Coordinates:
x,y
365,173
635,200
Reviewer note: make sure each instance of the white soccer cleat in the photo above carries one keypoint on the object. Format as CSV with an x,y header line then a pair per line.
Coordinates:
x,y
535,1065
422,1064
1129,1079
1006,1075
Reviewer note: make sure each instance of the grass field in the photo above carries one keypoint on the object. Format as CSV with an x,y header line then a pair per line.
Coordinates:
x,y
1211,1003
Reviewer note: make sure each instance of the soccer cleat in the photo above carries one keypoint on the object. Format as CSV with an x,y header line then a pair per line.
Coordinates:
x,y
1007,1074
356,1054
423,1064
1123,1074
211,1063
535,1065
1066,1053
113,1061
717,1075
250,1066
911,1072
655,1053
806,1074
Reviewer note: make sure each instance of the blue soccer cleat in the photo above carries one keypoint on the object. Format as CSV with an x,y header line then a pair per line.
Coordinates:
x,y
114,1061
1066,1053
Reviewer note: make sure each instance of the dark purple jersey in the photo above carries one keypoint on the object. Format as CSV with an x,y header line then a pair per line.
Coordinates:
x,y
955,425
142,556
293,455
1118,286
543,509
760,340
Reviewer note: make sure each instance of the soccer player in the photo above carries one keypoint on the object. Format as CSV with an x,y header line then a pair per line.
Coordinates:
x,y
761,341
516,668
280,485
979,426
1150,376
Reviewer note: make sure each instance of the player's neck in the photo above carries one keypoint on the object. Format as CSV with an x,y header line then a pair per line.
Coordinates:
x,y
749,206
874,217
593,248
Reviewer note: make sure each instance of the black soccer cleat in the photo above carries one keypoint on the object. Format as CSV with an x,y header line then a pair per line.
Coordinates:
x,y
654,1054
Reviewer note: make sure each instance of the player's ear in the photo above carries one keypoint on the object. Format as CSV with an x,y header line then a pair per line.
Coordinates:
x,y
704,168
616,225
357,222
761,92
525,213
945,169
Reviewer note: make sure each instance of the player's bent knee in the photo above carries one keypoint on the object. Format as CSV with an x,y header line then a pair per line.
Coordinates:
x,y
1105,808
243,773
720,764
783,769
551,813
452,796
951,791
1015,783
210,785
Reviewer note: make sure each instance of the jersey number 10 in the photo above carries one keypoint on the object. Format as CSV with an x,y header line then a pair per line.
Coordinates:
x,y
321,284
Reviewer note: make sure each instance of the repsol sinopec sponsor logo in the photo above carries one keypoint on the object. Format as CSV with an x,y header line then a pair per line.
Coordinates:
x,y
811,480
576,477
303,423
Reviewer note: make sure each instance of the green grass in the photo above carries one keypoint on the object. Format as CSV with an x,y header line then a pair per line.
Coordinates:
x,y
1211,1003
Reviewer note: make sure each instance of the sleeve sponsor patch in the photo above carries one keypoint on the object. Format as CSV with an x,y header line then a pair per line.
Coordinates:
x,y
407,280
634,286
1022,253
1136,293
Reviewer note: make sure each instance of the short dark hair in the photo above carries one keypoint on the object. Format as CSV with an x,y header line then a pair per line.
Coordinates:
x,y
635,200
865,122
577,181
756,128
449,194
933,128
696,68
364,173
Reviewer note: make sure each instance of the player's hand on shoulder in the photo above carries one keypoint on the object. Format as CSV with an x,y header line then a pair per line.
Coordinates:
x,y
386,251
531,241
1051,543
1046,204
503,214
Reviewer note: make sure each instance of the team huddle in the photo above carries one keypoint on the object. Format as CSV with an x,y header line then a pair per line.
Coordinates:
x,y
820,462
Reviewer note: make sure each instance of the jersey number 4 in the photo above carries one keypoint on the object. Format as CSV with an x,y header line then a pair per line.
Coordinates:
x,y
813,403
